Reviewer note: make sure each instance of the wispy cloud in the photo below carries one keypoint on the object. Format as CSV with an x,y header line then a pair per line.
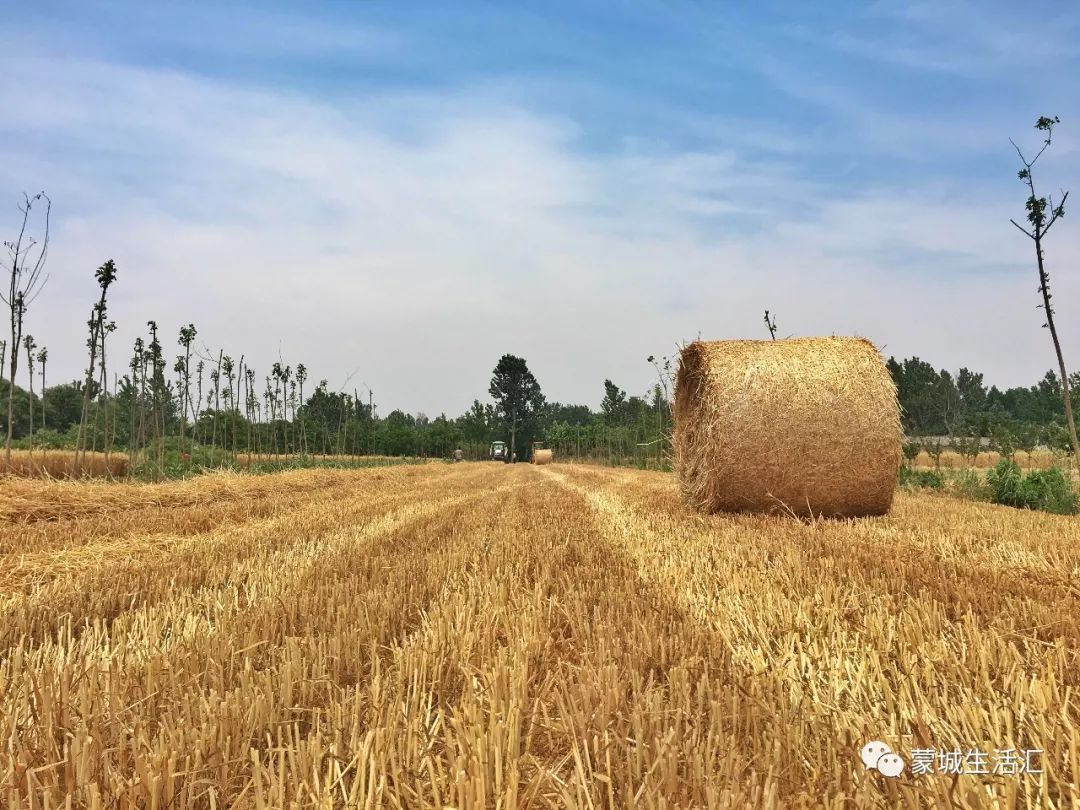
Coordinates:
x,y
421,231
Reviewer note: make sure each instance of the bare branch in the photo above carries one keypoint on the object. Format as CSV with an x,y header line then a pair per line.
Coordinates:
x,y
1058,212
1021,154
37,291
1039,155
44,252
1023,230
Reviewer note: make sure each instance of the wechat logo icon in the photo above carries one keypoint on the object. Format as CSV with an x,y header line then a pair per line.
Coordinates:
x,y
878,756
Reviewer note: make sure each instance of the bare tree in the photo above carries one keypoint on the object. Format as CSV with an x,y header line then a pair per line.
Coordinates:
x,y
158,394
236,403
30,345
25,279
106,329
213,397
288,399
270,398
249,404
1041,215
770,324
187,336
105,275
43,357
135,428
196,409
301,378
227,369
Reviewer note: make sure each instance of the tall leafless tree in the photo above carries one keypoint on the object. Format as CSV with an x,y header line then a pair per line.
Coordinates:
x,y
30,345
26,277
770,324
158,394
196,406
136,399
187,336
301,378
105,275
43,357
215,378
236,403
1042,214
103,387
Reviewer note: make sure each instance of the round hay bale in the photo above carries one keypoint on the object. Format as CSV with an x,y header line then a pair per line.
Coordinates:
x,y
542,457
809,426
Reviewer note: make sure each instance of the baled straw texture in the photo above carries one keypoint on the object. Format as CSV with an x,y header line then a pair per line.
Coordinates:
x,y
808,426
543,457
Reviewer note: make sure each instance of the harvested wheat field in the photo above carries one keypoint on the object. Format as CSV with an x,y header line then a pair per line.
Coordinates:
x,y
511,636
64,464
950,459
247,459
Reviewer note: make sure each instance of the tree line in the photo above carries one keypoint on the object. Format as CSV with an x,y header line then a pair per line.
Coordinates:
x,y
936,402
157,409
163,412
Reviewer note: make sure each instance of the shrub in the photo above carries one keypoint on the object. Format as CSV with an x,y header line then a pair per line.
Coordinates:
x,y
925,479
1047,490
1006,484
971,485
47,438
1051,491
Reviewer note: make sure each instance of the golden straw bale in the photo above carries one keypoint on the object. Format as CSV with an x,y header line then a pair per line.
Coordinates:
x,y
542,457
808,426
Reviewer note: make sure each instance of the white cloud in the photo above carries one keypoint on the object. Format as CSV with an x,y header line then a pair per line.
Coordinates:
x,y
418,237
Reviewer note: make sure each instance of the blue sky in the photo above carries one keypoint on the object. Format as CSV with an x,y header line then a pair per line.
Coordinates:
x,y
373,186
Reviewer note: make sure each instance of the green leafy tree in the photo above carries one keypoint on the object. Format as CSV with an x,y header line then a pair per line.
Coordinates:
x,y
518,398
573,415
20,400
613,405
969,386
398,434
477,423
